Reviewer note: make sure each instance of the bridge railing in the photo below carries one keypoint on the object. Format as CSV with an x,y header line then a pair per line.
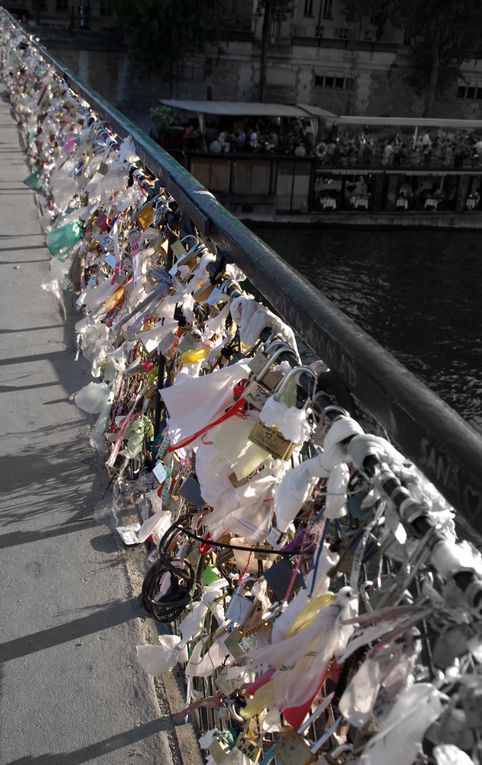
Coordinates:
x,y
440,443
433,579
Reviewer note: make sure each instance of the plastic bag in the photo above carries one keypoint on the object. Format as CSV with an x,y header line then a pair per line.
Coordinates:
x,y
61,240
92,397
33,181
400,737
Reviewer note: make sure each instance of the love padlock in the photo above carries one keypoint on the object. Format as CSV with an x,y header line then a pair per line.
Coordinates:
x,y
265,379
240,607
281,429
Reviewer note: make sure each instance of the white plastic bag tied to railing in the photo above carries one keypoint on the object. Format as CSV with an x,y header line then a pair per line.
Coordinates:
x,y
325,608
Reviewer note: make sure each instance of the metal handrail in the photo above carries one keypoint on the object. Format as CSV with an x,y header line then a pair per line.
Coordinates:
x,y
427,430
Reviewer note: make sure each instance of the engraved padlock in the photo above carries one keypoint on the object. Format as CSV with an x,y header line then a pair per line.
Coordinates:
x,y
250,748
270,436
240,607
265,381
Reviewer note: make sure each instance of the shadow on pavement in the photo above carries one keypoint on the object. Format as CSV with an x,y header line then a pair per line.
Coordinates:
x,y
112,744
28,329
26,537
116,614
22,249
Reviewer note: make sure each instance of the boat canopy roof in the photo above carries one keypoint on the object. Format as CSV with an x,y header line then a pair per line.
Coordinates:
x,y
310,111
249,109
420,122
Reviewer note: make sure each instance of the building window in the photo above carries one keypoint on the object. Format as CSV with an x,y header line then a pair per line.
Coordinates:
x,y
369,35
334,83
342,33
470,92
327,9
62,5
190,72
308,7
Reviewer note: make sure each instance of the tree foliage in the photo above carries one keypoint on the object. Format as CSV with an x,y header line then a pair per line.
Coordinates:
x,y
162,32
441,33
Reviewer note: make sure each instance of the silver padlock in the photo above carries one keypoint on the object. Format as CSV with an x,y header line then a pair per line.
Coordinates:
x,y
240,608
264,381
296,372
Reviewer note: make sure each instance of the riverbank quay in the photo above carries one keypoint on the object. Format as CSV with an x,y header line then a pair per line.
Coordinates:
x,y
265,504
463,222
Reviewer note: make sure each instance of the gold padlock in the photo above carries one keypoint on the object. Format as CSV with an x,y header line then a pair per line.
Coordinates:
x,y
271,440
249,747
270,437
145,215
203,292
185,257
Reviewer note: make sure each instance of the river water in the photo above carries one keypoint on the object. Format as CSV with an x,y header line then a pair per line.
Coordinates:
x,y
419,293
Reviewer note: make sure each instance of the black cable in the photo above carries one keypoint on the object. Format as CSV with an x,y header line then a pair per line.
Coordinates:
x,y
160,384
265,550
183,587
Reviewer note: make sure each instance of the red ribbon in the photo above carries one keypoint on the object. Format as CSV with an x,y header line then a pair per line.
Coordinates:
x,y
234,409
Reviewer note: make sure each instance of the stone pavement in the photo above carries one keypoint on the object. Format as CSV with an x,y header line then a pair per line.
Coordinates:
x,y
70,687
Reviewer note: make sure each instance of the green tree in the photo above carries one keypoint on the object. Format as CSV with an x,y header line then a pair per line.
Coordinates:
x,y
441,33
162,32
271,11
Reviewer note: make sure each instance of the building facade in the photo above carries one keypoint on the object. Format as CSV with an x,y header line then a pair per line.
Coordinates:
x,y
91,14
316,56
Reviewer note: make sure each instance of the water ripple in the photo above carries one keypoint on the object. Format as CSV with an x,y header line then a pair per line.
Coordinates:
x,y
419,293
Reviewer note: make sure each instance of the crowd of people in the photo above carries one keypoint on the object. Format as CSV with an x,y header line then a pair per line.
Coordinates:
x,y
273,136
429,149
346,148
